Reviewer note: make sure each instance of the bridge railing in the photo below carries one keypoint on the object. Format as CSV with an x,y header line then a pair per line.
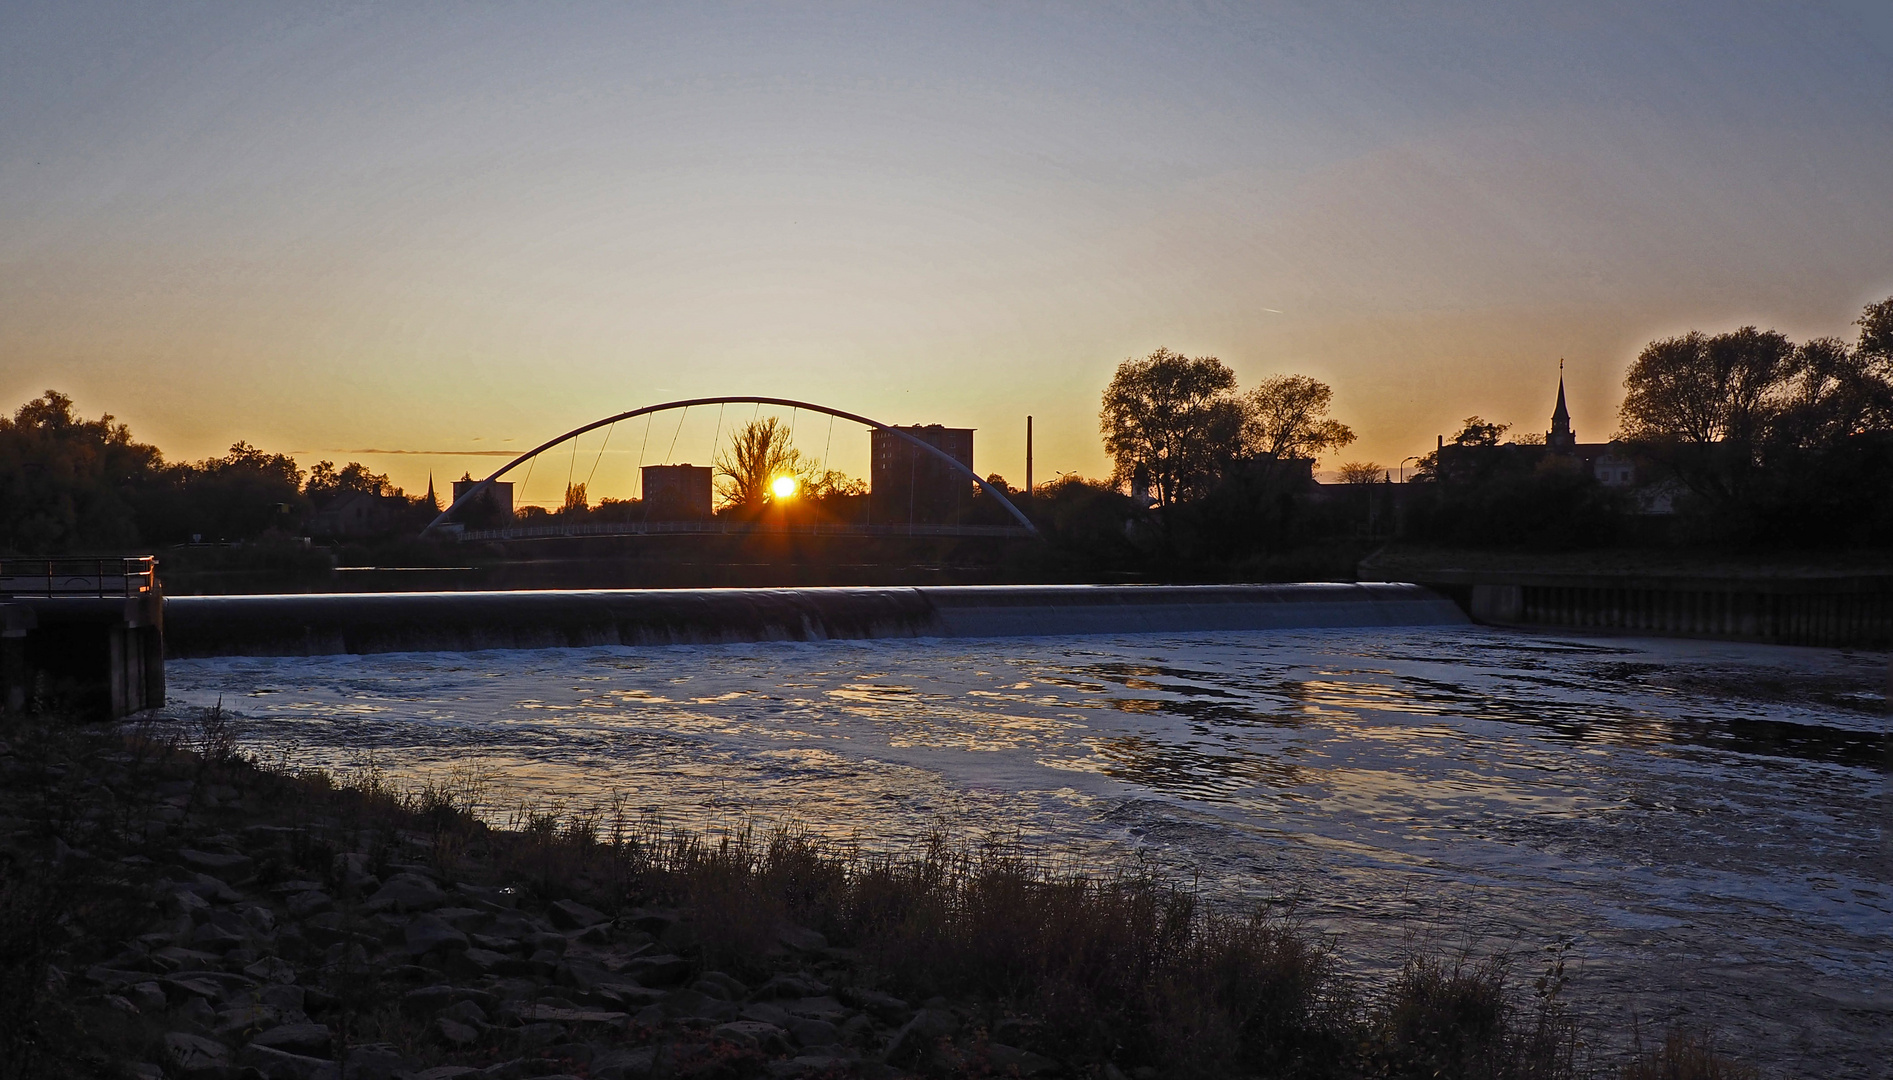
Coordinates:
x,y
659,528
134,575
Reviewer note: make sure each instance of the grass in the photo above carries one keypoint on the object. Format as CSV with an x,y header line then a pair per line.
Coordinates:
x,y
1111,973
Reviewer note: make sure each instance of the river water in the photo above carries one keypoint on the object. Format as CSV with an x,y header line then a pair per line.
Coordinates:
x,y
1705,825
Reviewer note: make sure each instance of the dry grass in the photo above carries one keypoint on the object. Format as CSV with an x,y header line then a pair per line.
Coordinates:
x,y
1119,967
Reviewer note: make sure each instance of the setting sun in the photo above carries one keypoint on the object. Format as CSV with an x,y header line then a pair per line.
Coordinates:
x,y
783,487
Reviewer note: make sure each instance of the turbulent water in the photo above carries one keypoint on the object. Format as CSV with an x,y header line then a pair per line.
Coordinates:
x,y
1704,825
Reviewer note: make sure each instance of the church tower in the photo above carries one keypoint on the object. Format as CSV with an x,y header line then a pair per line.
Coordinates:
x,y
1560,437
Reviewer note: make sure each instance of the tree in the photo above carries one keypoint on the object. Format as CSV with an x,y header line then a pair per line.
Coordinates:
x,y
70,485
759,452
1362,472
1478,431
575,500
1173,419
1703,390
326,483
1287,418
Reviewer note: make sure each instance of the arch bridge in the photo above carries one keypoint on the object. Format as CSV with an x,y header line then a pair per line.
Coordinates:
x,y
482,486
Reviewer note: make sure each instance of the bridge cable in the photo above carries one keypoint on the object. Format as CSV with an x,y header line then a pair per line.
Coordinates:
x,y
600,457
673,437
716,437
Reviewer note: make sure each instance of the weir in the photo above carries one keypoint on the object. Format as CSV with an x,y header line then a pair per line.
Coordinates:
x,y
331,623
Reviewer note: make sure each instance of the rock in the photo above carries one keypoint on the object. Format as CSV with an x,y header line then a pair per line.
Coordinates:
x,y
446,1072
886,1007
476,962
819,1008
790,986
662,970
572,915
580,974
1012,1061
454,1033
426,933
811,1032
554,1014
178,989
283,998
764,1012
801,938
407,892
312,1040
429,1000
229,867
282,1065
351,870
466,1012
464,919
752,1035
260,919
629,994
622,1063
653,921
731,987
148,996
921,1034
197,1011
304,904
685,1003
122,1004
213,938
271,970
212,888
195,1054
813,1065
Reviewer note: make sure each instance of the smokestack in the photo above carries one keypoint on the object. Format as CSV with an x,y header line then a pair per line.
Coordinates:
x,y
1442,442
1028,457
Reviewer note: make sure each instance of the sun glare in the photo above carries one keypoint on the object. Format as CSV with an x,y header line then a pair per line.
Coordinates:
x,y
783,486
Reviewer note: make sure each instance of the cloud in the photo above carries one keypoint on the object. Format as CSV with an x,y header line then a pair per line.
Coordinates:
x,y
432,453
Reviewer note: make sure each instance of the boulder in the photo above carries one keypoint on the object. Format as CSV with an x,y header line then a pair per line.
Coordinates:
x,y
811,1032
407,892
282,1065
752,1035
425,933
313,902
312,1040
572,915
195,1054
917,1039
454,1033
228,866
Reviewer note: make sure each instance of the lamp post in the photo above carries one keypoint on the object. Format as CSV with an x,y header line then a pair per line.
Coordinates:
x,y
1403,466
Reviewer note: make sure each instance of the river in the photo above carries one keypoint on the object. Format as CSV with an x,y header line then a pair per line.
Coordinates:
x,y
1703,824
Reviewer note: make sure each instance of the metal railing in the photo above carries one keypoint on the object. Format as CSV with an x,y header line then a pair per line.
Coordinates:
x,y
133,575
715,527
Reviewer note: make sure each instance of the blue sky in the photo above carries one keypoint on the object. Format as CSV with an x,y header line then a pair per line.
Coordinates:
x,y
443,227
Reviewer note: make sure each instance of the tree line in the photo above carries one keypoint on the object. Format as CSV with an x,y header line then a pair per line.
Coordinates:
x,y
71,485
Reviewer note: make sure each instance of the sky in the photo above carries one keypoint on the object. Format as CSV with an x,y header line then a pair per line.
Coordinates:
x,y
421,228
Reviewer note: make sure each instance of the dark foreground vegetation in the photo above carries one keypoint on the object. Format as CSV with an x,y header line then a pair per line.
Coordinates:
x,y
172,908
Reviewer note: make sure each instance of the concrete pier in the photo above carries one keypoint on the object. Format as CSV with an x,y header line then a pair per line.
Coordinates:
x,y
81,636
307,625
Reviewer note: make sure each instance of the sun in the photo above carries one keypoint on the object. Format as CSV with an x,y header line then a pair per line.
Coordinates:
x,y
783,487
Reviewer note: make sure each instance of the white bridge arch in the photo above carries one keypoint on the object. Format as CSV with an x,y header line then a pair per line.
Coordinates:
x,y
787,403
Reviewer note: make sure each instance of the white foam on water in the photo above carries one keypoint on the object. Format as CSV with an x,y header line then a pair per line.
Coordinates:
x,y
1704,822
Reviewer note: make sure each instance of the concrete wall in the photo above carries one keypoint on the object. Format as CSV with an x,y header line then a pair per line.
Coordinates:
x,y
1839,611
305,625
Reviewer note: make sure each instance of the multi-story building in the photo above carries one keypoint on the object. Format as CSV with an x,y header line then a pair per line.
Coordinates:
x,y
907,484
676,492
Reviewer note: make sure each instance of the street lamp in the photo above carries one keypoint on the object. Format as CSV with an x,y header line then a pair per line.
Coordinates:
x,y
1403,466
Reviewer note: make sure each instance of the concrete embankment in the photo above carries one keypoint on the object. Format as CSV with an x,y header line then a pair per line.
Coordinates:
x,y
309,625
1854,611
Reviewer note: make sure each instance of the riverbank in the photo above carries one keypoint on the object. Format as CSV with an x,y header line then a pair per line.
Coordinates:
x,y
172,908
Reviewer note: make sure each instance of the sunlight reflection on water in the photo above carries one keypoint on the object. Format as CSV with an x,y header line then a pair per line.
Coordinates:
x,y
1695,816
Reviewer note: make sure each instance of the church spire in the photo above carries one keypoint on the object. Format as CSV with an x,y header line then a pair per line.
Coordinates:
x,y
433,500
1560,436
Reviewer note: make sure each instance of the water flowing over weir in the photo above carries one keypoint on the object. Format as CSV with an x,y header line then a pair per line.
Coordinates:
x,y
332,623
